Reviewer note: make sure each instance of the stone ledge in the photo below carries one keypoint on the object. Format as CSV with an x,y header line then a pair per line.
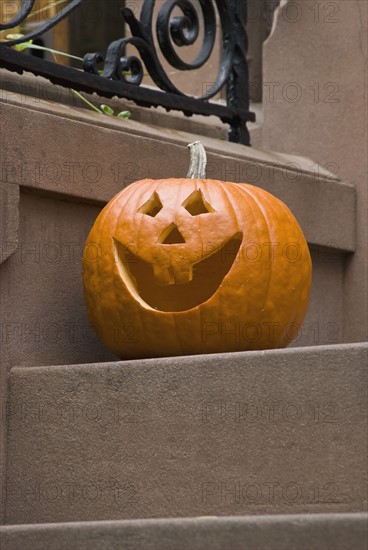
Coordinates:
x,y
88,157
302,532
184,436
168,134
40,88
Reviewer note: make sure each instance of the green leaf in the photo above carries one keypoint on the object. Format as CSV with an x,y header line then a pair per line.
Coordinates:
x,y
124,114
14,36
107,110
23,45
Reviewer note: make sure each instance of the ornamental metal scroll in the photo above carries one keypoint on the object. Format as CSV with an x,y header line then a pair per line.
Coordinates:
x,y
122,75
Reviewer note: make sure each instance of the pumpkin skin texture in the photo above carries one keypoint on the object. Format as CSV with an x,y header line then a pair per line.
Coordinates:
x,y
190,266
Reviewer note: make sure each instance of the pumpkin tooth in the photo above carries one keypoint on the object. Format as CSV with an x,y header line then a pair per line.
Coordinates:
x,y
183,274
163,275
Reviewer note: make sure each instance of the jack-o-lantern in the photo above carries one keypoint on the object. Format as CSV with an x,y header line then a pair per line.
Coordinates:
x,y
192,265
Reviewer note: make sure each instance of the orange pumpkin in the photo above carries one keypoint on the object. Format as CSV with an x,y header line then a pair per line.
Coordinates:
x,y
187,266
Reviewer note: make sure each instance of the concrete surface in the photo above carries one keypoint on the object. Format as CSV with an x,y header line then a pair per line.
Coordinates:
x,y
9,220
9,227
44,318
281,431
40,88
92,157
315,104
143,439
64,183
301,532
66,163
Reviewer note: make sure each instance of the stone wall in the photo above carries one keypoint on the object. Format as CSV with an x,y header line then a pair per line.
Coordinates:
x,y
315,104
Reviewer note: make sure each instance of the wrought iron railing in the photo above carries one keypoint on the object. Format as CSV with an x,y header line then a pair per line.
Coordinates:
x,y
122,75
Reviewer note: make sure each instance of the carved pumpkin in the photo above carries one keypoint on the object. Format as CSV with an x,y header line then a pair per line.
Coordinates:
x,y
187,266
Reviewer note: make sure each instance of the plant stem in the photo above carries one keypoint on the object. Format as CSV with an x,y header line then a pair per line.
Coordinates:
x,y
43,48
198,161
86,101
53,5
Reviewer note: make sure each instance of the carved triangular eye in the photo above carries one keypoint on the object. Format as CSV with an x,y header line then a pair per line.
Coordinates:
x,y
195,204
152,207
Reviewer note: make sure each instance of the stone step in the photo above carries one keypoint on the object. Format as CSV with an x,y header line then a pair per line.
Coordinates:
x,y
53,188
284,532
271,432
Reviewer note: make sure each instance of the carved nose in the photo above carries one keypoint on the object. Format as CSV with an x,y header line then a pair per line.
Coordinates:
x,y
171,235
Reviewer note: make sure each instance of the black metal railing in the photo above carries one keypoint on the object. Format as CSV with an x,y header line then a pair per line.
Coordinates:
x,y
121,75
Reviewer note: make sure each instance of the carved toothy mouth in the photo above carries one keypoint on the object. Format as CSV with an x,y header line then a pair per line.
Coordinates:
x,y
169,289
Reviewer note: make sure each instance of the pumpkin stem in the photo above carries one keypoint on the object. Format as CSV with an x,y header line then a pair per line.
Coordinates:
x,y
198,161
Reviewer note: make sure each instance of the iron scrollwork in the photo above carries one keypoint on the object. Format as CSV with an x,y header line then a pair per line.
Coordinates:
x,y
122,75
22,14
